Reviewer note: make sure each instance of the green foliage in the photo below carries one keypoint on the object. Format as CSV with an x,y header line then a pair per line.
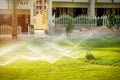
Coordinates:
x,y
32,26
101,42
99,22
67,21
31,29
113,62
63,20
46,31
89,56
111,21
69,27
81,20
106,56
117,22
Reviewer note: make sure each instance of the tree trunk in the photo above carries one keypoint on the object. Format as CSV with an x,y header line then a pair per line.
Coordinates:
x,y
14,20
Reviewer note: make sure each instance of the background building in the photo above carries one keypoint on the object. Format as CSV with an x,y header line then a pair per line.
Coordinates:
x,y
24,12
39,6
87,7
27,10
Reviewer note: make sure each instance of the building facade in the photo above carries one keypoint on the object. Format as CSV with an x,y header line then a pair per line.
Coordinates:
x,y
87,7
25,13
28,9
40,6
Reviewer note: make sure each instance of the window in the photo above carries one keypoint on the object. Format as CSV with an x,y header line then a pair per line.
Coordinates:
x,y
44,7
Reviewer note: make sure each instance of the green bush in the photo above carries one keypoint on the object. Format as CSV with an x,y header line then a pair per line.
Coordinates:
x,y
67,21
32,26
111,21
31,29
46,31
69,27
117,22
81,20
63,20
89,56
99,22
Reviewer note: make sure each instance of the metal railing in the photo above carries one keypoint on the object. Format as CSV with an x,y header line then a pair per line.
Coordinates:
x,y
5,30
79,22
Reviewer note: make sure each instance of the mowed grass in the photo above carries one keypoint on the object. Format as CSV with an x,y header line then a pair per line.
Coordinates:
x,y
106,65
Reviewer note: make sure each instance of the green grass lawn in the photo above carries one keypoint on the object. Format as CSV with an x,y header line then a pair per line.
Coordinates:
x,y
105,66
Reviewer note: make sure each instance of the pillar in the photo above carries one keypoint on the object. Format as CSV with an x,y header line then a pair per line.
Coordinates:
x,y
49,10
31,13
92,8
50,27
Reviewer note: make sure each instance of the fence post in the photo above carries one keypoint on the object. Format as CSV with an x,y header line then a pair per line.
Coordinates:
x,y
28,30
95,21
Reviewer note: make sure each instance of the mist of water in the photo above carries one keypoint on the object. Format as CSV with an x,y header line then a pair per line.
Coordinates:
x,y
49,51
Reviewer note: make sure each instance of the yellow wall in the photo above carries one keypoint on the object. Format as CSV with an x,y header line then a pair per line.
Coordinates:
x,y
41,21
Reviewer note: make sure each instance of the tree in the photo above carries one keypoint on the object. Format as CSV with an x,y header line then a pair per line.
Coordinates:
x,y
14,6
14,18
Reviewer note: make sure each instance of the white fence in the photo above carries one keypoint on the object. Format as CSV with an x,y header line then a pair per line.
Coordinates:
x,y
80,22
5,30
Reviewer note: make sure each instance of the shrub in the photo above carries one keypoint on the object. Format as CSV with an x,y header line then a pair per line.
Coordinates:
x,y
46,31
117,22
89,56
111,21
67,21
69,27
32,26
63,19
99,22
31,29
81,20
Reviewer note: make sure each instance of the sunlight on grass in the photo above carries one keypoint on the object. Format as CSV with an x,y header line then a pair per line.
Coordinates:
x,y
68,56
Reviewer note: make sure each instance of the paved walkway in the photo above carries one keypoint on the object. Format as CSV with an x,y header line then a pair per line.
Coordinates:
x,y
75,34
